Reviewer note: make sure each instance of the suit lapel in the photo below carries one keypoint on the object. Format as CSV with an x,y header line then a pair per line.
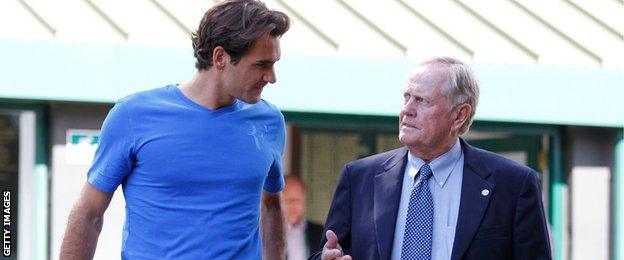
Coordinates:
x,y
387,195
474,200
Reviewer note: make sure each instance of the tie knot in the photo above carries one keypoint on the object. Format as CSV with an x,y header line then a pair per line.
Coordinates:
x,y
425,172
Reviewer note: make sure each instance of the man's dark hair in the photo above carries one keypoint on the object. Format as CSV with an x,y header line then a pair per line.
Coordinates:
x,y
235,25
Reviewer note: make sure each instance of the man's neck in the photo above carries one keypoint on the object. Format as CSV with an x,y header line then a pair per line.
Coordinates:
x,y
430,154
205,89
298,223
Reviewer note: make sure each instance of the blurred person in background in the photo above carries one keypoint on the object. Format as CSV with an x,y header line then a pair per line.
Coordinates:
x,y
437,197
303,236
199,162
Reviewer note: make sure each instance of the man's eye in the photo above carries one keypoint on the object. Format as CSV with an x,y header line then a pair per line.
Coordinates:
x,y
263,65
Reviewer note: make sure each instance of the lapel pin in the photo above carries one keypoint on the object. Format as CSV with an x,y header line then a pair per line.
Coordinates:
x,y
485,192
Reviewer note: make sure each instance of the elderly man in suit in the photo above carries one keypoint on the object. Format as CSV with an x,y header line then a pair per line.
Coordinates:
x,y
437,197
303,235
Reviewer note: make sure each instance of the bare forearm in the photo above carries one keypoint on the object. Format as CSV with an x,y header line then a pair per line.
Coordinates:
x,y
81,236
273,227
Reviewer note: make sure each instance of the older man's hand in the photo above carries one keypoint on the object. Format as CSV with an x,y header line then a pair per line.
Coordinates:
x,y
331,249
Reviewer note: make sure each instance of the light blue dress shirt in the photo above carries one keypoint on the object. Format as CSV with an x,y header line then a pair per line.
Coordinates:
x,y
445,188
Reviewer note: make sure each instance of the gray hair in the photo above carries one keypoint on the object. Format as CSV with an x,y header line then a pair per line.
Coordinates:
x,y
461,86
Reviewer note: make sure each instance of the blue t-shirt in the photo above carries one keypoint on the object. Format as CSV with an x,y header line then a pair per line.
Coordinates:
x,y
192,177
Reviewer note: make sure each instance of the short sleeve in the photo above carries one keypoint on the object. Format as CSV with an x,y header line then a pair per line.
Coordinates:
x,y
113,159
275,179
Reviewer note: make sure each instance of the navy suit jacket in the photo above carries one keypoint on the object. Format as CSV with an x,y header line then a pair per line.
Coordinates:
x,y
507,223
313,234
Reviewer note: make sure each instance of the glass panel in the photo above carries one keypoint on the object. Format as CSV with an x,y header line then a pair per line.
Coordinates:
x,y
387,142
323,154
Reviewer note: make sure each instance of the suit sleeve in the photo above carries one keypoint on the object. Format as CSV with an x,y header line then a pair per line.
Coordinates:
x,y
339,216
531,239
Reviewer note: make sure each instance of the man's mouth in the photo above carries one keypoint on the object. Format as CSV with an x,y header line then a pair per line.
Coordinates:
x,y
408,125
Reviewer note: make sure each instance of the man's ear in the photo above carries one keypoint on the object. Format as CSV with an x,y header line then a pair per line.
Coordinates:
x,y
462,112
219,58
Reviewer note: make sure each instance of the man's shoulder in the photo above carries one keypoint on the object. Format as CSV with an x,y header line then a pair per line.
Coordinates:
x,y
314,226
149,94
266,105
495,163
262,111
144,96
387,157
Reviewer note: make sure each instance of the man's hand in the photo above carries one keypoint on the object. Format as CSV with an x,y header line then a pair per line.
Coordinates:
x,y
331,249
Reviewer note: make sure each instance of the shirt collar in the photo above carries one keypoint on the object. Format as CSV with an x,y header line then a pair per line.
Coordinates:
x,y
301,226
442,166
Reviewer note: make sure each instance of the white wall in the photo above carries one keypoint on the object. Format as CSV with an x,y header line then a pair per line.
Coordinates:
x,y
67,180
590,213
590,154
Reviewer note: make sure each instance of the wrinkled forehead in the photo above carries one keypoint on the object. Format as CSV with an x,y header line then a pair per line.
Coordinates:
x,y
427,75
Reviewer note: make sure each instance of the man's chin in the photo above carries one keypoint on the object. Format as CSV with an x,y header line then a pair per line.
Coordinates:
x,y
403,138
407,139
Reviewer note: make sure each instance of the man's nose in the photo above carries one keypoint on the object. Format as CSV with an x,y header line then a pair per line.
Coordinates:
x,y
409,107
269,76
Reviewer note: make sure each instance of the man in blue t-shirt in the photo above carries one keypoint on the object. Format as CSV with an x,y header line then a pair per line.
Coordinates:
x,y
194,159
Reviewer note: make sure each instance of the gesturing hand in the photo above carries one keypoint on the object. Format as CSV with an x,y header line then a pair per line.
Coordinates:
x,y
331,249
